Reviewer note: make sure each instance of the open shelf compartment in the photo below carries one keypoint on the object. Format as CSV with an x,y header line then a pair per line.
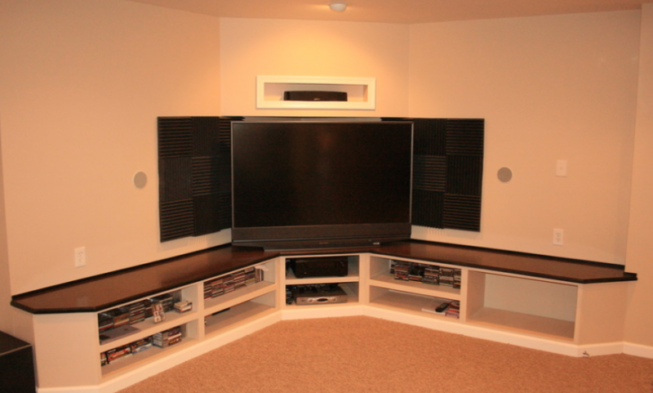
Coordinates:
x,y
353,274
411,303
525,306
241,313
189,337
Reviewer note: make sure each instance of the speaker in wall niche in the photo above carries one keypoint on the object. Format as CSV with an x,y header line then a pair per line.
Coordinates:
x,y
306,95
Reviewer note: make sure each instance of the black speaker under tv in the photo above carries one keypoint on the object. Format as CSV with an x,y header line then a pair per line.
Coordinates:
x,y
320,184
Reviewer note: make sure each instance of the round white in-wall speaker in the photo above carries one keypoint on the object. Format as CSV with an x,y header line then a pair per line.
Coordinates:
x,y
140,179
504,174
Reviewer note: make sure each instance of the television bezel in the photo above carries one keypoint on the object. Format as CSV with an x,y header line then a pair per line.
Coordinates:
x,y
323,236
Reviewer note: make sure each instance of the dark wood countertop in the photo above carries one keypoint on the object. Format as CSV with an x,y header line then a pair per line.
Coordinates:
x,y
570,270
105,291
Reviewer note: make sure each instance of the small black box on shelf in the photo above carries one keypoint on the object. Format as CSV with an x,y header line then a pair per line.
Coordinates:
x,y
320,267
301,95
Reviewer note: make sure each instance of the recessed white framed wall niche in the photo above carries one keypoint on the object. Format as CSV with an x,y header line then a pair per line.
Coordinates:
x,y
361,92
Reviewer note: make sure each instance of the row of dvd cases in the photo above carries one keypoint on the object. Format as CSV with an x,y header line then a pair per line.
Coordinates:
x,y
161,324
416,287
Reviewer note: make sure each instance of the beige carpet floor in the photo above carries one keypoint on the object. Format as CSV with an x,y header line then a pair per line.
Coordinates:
x,y
363,354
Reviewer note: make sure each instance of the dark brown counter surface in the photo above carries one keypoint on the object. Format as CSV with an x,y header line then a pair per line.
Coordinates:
x,y
105,291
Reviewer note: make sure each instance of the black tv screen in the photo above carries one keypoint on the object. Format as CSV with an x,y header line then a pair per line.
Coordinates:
x,y
320,184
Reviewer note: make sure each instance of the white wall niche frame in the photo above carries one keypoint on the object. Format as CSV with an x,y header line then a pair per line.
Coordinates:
x,y
361,92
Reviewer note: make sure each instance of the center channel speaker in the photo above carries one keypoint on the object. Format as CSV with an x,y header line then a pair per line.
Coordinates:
x,y
302,95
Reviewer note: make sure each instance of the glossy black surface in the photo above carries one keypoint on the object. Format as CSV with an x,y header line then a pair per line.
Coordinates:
x,y
16,365
98,293
312,182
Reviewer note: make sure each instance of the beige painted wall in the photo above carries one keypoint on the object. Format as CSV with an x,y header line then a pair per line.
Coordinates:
x,y
83,82
639,322
252,47
549,88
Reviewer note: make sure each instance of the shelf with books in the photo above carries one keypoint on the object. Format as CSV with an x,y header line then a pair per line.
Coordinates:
x,y
224,288
123,358
135,320
230,289
421,278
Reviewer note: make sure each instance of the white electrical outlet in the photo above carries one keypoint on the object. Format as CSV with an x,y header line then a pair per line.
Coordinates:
x,y
80,256
558,236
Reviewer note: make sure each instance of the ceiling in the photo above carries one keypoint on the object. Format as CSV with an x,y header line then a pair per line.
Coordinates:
x,y
394,11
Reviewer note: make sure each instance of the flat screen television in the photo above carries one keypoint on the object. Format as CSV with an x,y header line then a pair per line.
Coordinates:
x,y
320,184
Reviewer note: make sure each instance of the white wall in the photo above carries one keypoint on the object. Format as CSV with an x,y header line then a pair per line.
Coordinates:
x,y
82,83
549,88
252,47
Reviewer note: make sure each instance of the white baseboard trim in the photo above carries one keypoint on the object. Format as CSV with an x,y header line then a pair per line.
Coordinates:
x,y
642,351
321,311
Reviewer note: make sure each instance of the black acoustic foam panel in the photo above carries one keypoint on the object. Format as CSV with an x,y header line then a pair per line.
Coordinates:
x,y
448,173
194,176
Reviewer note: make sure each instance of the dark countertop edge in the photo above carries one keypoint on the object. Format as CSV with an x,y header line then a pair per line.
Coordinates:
x,y
625,277
15,302
515,253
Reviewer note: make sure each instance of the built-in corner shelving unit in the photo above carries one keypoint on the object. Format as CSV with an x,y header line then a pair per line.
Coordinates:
x,y
361,92
163,314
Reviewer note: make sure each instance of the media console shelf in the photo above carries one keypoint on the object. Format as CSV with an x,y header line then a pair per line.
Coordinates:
x,y
563,306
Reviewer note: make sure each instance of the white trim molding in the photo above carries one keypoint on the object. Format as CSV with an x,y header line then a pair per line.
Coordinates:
x,y
361,92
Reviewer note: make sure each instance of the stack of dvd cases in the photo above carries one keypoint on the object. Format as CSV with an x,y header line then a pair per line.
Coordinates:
x,y
124,351
431,275
426,273
230,282
446,276
166,300
453,310
400,269
136,312
167,338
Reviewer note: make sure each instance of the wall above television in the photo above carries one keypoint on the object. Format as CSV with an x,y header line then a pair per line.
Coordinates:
x,y
195,172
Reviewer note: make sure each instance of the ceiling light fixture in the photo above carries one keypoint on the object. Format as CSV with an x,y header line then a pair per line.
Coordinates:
x,y
338,7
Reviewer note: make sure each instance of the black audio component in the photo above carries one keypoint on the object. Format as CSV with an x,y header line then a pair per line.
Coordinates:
x,y
317,294
319,267
315,96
